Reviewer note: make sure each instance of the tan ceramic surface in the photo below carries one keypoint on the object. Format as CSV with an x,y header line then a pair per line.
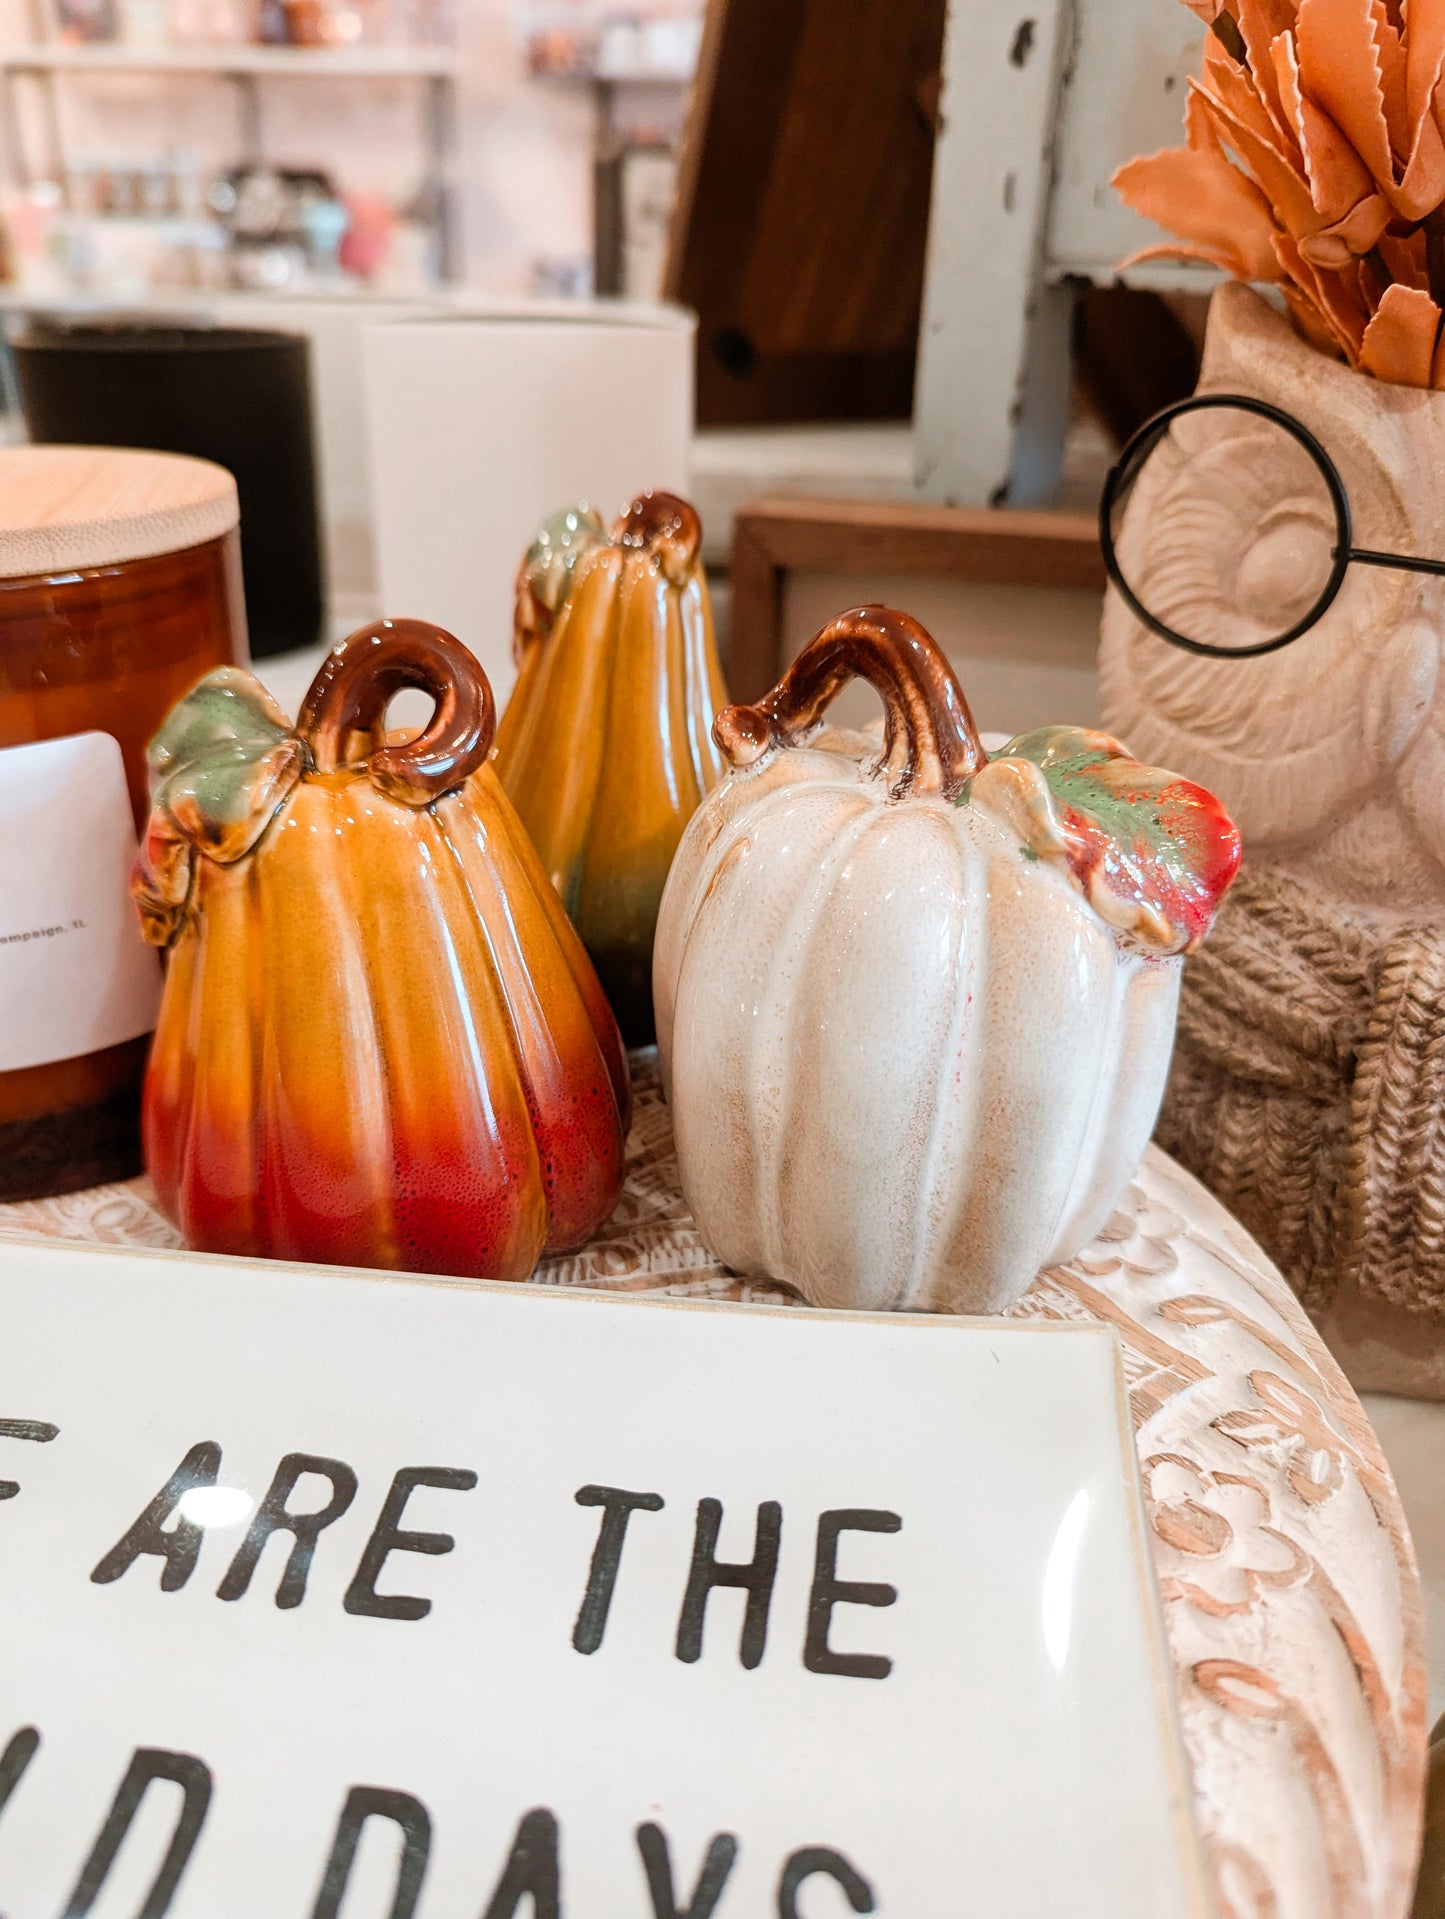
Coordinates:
x,y
1329,754
1306,1079
1291,1599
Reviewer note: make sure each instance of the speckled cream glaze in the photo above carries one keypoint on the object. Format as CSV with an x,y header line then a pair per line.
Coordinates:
x,y
908,1060
906,1065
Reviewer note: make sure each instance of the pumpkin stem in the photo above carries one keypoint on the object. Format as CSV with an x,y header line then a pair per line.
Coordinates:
x,y
343,717
668,526
922,701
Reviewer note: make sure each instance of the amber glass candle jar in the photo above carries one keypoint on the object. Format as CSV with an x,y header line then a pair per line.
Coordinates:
x,y
120,585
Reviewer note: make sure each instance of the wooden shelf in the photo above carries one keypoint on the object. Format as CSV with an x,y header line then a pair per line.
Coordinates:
x,y
322,63
438,68
991,546
621,76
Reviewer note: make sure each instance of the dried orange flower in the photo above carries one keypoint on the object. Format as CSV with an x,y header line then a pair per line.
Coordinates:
x,y
1314,158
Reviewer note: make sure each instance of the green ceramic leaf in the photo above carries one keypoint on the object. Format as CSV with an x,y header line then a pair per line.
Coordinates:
x,y
1154,853
222,763
552,558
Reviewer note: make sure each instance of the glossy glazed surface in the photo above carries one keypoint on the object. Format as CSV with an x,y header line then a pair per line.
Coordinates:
x,y
606,745
915,1010
112,648
116,647
381,1042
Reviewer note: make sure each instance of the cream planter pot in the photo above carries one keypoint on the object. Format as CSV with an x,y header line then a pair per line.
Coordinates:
x,y
915,1011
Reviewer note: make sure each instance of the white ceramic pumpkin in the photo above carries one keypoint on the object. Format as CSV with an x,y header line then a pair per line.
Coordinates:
x,y
915,1009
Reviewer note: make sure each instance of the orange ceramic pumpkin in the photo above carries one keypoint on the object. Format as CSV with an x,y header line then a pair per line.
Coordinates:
x,y
606,746
381,1043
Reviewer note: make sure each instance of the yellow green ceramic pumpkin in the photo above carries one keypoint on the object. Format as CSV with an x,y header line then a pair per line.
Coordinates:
x,y
606,747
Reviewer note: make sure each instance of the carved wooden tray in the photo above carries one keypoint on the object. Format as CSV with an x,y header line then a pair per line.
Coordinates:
x,y
1291,1597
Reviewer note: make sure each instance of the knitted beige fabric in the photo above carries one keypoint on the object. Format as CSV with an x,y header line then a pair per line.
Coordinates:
x,y
1308,1091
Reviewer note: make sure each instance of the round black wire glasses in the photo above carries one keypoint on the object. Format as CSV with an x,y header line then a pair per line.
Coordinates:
x,y
1125,472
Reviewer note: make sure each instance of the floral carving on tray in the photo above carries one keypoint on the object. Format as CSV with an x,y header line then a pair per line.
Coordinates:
x,y
1291,1600
1290,1592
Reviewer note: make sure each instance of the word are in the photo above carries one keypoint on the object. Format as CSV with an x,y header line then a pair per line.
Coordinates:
x,y
164,1531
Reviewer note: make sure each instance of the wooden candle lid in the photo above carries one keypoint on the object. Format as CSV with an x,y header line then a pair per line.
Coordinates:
x,y
65,508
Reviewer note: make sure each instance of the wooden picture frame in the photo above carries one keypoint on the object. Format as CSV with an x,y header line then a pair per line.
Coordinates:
x,y
994,546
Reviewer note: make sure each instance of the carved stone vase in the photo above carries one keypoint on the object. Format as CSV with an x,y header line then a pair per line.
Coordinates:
x,y
1308,1088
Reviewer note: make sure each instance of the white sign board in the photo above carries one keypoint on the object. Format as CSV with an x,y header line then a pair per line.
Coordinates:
x,y
339,1597
75,974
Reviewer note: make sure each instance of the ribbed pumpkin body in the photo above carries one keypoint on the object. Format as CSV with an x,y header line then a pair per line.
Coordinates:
x,y
606,747
915,1030
915,1068
381,1042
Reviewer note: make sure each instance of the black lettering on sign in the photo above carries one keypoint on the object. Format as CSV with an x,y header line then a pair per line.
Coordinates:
x,y
755,1578
414,1822
533,1868
193,1776
830,1591
180,1545
617,1508
16,1757
811,1862
361,1595
657,1864
39,1431
272,1516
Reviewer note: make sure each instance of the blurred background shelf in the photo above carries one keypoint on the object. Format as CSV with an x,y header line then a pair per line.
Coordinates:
x,y
328,63
38,67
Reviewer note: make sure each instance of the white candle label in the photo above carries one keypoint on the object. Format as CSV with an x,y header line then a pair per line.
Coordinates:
x,y
328,1596
75,974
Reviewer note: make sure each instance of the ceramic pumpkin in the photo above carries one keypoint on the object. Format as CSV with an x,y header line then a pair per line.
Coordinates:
x,y
380,1042
915,1008
606,746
